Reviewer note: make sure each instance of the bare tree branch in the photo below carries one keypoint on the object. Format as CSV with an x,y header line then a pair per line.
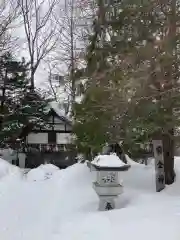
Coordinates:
x,y
9,12
39,30
72,26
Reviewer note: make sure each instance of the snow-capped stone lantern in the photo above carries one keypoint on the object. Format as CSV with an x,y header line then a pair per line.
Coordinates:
x,y
107,184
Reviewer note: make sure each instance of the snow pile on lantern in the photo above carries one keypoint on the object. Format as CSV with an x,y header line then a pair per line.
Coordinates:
x,y
111,160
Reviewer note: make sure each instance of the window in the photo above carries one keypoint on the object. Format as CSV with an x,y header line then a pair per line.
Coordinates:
x,y
52,137
58,78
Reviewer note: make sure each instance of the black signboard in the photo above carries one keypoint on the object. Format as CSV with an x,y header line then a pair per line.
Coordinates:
x,y
159,165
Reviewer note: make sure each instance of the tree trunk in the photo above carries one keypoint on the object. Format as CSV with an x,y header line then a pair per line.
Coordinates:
x,y
168,148
3,98
32,80
168,138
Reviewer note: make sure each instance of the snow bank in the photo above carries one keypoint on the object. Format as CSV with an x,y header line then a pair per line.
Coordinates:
x,y
43,172
7,169
130,161
65,207
108,161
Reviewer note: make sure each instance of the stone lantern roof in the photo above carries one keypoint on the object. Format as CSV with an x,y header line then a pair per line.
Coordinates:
x,y
109,163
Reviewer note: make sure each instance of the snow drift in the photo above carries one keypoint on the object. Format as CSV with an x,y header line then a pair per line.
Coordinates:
x,y
7,169
43,172
65,207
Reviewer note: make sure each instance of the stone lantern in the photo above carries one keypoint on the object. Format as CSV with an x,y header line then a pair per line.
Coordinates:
x,y
107,184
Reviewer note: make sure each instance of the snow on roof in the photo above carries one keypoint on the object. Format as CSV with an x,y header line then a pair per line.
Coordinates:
x,y
59,111
108,161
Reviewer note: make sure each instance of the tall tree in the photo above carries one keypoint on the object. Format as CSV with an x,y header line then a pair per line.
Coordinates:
x,y
18,107
40,31
72,21
133,55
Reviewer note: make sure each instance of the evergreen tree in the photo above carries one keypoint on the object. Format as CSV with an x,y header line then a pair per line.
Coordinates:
x,y
19,106
103,58
133,56
90,123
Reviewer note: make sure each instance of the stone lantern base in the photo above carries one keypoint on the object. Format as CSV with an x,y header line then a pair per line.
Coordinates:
x,y
107,195
107,203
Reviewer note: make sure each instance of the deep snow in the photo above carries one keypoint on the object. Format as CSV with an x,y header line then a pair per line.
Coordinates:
x,y
43,172
65,207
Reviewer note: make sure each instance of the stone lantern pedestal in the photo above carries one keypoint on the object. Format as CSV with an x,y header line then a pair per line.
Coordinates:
x,y
107,185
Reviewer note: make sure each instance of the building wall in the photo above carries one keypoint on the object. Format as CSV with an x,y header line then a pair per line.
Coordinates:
x,y
63,138
57,120
59,127
68,128
62,131
41,138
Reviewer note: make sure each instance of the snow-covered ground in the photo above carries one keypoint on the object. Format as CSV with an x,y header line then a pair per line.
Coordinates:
x,y
64,206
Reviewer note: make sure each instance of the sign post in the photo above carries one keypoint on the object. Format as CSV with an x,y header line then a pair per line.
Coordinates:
x,y
159,164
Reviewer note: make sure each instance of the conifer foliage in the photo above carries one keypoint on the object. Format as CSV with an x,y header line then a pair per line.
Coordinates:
x,y
133,58
18,105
